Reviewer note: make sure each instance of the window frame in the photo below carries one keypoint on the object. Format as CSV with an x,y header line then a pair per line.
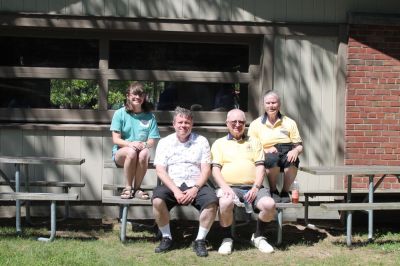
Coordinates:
x,y
102,74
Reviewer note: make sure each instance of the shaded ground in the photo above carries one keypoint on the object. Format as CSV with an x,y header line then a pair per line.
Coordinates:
x,y
185,231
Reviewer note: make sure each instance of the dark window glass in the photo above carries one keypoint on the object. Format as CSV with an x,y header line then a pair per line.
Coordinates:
x,y
196,96
43,52
49,93
179,56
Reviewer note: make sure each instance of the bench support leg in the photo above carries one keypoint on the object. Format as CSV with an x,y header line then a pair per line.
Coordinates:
x,y
349,215
124,219
17,202
279,226
53,220
371,212
306,205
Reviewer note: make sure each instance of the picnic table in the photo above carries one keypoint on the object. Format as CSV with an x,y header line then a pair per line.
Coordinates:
x,y
17,196
351,171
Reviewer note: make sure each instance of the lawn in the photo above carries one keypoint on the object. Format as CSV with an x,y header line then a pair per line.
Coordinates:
x,y
96,242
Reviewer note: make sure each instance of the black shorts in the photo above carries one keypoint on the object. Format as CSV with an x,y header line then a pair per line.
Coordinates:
x,y
204,197
279,159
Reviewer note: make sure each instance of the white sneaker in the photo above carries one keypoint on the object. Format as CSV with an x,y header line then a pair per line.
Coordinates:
x,y
262,244
226,246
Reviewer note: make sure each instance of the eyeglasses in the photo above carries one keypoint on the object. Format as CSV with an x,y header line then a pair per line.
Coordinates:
x,y
235,122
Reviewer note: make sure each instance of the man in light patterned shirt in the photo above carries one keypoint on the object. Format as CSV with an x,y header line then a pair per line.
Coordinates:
x,y
183,165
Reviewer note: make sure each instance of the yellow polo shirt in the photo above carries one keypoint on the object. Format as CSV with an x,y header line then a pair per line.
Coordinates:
x,y
237,159
283,131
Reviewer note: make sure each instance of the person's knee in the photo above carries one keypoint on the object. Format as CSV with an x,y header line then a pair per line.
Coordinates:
x,y
266,204
144,156
131,154
158,203
225,204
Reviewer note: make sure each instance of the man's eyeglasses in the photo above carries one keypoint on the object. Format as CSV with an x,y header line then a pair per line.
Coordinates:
x,y
237,122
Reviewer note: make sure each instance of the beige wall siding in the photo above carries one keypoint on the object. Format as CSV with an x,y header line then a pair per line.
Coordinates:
x,y
222,10
304,76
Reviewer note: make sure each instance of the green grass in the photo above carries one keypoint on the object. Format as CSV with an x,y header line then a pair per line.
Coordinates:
x,y
98,244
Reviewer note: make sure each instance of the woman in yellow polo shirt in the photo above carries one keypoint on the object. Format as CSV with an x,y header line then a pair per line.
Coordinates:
x,y
282,145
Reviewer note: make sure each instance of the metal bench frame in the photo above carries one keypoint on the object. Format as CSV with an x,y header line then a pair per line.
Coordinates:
x,y
52,197
350,207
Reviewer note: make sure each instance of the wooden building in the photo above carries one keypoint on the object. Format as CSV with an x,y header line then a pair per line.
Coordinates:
x,y
335,64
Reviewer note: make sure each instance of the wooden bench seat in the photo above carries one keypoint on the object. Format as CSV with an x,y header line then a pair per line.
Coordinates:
x,y
125,203
12,196
342,193
52,197
361,206
66,186
40,183
350,207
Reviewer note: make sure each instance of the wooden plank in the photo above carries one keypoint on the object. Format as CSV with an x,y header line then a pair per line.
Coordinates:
x,y
111,164
118,200
40,160
351,170
341,192
120,187
362,206
288,205
11,196
45,184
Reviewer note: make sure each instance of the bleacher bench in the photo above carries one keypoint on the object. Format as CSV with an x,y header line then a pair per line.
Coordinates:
x,y
350,207
52,197
341,193
66,186
124,204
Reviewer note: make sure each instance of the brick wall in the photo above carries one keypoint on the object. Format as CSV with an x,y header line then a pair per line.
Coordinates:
x,y
372,129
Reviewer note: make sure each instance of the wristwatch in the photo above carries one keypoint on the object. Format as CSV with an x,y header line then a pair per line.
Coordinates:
x,y
145,144
257,186
197,186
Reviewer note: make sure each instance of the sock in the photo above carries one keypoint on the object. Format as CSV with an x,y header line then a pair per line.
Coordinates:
x,y
226,232
202,233
166,231
260,228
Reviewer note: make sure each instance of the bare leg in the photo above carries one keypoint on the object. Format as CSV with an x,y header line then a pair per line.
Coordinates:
x,y
160,212
266,205
141,167
207,216
127,157
226,211
290,176
272,174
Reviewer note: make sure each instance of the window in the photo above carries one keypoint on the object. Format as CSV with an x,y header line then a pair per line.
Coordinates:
x,y
89,73
46,52
197,96
49,93
179,56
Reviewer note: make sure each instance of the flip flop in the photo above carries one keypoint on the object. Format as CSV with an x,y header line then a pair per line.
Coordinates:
x,y
140,194
126,193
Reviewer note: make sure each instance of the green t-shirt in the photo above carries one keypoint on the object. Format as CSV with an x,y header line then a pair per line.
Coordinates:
x,y
134,127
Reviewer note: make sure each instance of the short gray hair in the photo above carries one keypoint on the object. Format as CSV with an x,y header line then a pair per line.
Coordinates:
x,y
180,111
271,92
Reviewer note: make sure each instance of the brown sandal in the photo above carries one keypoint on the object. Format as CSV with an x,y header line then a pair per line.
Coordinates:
x,y
127,193
140,194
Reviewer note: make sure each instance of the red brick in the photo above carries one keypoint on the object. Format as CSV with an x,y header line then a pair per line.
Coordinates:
x,y
388,145
389,157
372,145
391,74
353,79
354,145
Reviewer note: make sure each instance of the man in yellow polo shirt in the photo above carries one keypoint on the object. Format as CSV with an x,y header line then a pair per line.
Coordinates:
x,y
238,170
282,145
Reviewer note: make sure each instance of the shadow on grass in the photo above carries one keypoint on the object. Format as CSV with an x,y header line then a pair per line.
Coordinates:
x,y
184,232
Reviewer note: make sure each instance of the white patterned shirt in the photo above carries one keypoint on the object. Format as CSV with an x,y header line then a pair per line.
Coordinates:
x,y
183,160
